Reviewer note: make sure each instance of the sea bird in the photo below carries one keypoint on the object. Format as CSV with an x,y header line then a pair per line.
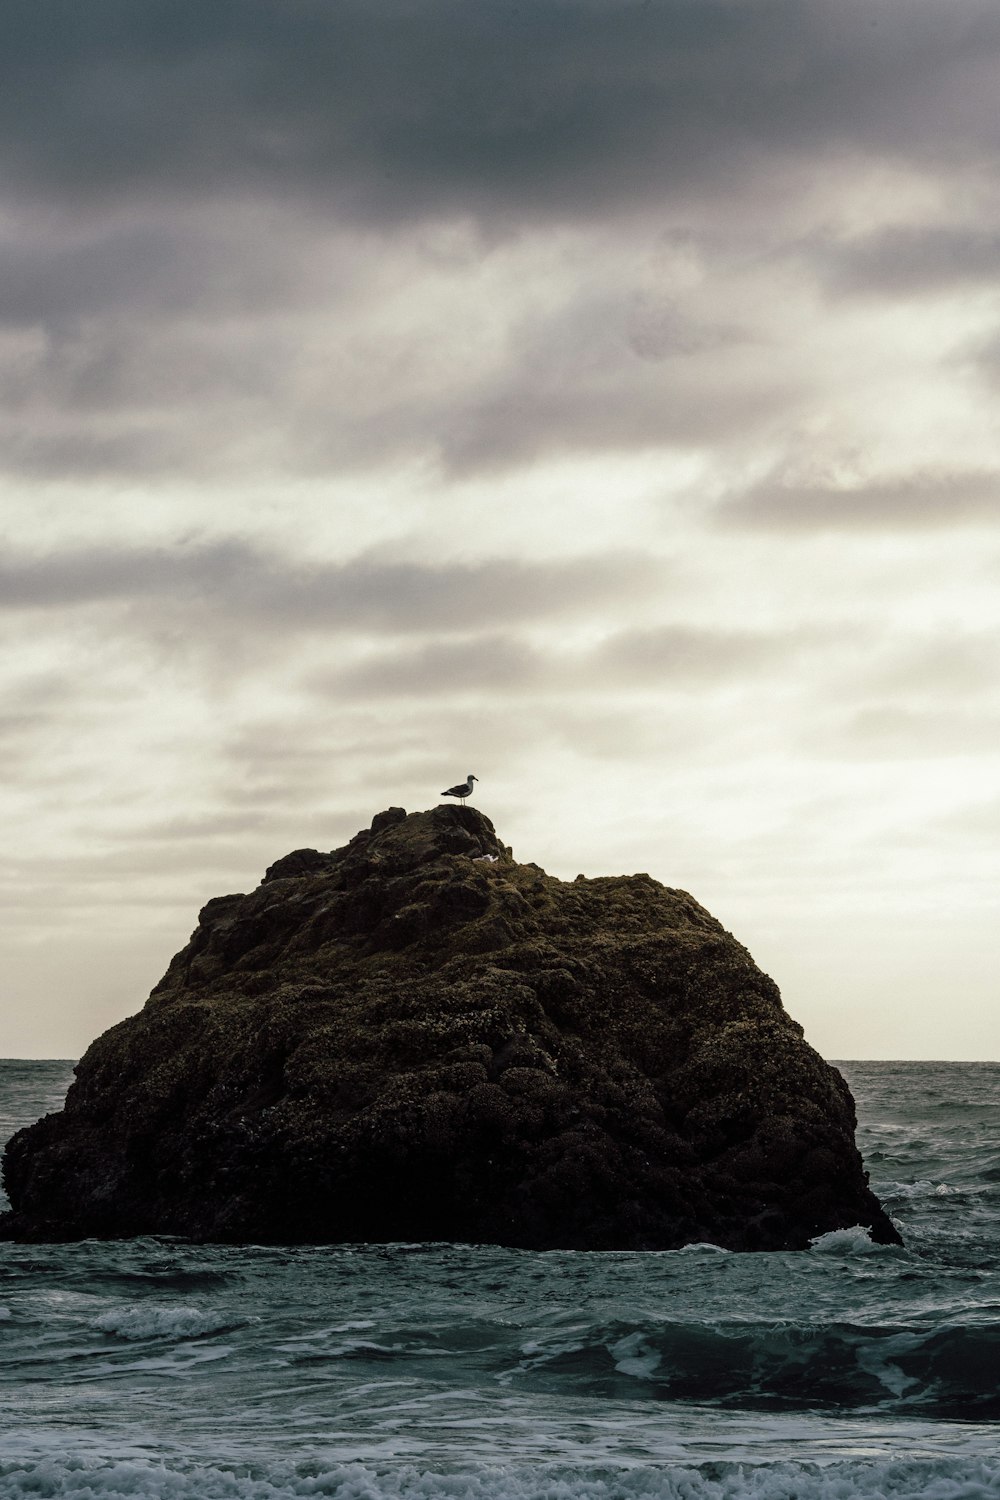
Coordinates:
x,y
463,790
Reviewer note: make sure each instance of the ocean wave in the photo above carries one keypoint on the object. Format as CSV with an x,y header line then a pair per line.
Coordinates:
x,y
926,1188
853,1241
945,1368
940,1370
128,1478
140,1321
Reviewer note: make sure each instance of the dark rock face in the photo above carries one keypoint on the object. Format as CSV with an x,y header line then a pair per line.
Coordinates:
x,y
417,1038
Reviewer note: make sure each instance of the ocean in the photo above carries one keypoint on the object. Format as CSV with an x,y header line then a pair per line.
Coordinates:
x,y
452,1372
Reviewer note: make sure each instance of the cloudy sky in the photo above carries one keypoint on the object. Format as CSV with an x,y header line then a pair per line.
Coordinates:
x,y
599,395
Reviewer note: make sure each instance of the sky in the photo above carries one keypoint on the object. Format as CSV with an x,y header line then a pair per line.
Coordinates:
x,y
597,395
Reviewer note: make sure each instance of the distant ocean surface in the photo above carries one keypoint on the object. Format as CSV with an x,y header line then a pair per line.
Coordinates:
x,y
449,1372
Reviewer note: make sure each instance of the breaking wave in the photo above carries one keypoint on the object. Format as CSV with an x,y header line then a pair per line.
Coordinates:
x,y
142,1321
127,1479
945,1371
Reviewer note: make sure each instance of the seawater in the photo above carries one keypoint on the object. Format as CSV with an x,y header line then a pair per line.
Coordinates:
x,y
453,1372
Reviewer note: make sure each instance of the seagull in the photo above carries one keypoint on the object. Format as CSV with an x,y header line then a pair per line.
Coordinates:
x,y
463,790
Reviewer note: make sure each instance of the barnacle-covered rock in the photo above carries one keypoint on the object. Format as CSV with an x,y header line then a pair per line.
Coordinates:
x,y
416,1037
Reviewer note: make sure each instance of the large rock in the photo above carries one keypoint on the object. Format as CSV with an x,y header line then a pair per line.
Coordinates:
x,y
416,1038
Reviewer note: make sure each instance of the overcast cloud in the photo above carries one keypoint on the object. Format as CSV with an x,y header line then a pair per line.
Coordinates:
x,y
599,395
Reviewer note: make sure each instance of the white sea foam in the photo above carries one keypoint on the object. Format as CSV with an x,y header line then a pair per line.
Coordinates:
x,y
699,1247
143,1320
634,1356
853,1241
922,1188
879,1357
129,1478
539,1352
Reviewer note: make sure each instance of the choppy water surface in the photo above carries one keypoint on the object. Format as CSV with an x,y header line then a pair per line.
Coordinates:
x,y
157,1368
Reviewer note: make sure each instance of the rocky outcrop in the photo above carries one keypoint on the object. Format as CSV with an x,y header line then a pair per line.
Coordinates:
x,y
416,1037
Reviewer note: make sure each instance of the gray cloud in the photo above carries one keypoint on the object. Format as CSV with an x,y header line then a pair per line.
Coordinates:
x,y
119,875
528,418
34,708
660,329
531,416
488,664
679,654
234,581
392,109
167,339
207,827
171,300
665,657
919,499
118,396
138,390
625,735
894,731
908,260
159,263
348,757
595,377
982,360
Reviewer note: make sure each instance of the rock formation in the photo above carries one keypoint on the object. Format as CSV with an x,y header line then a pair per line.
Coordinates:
x,y
416,1037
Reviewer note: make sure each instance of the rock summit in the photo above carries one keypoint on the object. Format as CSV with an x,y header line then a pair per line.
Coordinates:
x,y
416,1037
